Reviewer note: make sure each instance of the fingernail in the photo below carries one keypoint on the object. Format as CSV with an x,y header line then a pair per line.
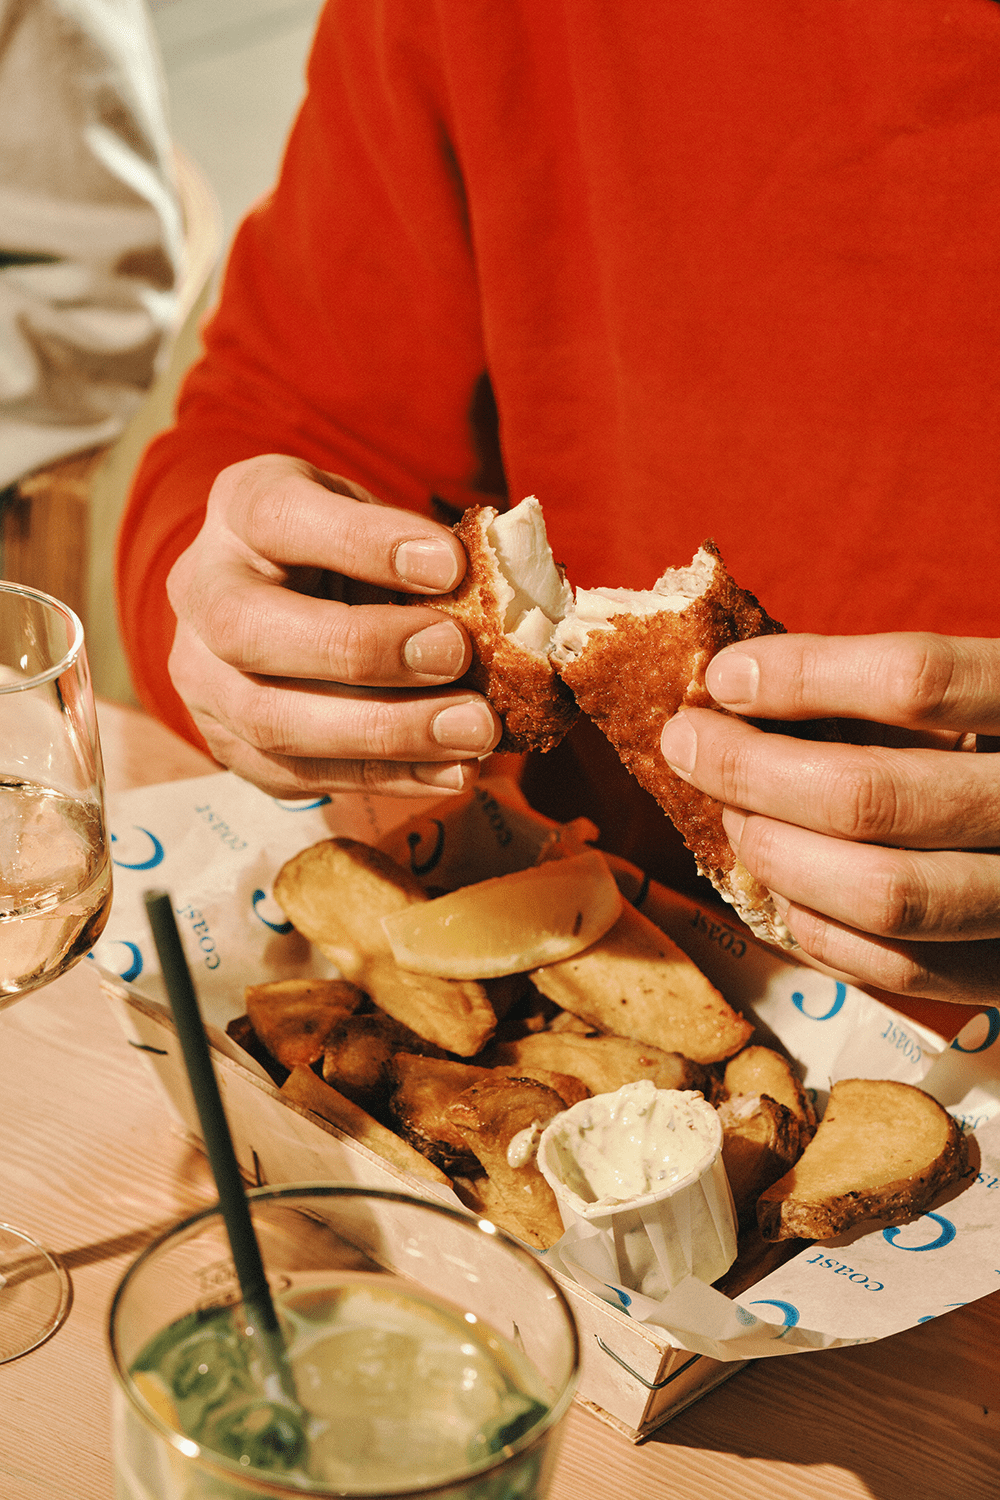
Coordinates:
x,y
444,776
679,744
733,821
733,678
436,651
465,726
427,562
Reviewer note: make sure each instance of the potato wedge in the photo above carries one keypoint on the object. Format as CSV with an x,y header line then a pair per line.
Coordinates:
x,y
569,1088
293,1017
488,1115
336,892
761,1070
760,1141
883,1150
635,982
422,1088
358,1056
603,1063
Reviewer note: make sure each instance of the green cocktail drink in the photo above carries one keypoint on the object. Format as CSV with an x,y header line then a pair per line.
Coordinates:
x,y
403,1385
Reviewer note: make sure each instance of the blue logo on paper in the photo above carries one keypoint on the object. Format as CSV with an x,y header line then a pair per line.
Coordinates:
x,y
423,866
929,1317
133,960
992,1032
152,859
258,898
799,1001
293,805
946,1233
789,1312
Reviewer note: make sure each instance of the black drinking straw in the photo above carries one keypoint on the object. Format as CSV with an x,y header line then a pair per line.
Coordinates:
x,y
218,1141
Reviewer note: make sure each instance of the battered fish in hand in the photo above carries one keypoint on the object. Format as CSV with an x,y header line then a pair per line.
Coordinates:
x,y
633,659
630,659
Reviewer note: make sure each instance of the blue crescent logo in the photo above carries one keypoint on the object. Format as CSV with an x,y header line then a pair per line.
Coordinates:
x,y
293,805
133,967
946,1233
259,897
799,1001
992,1032
421,867
789,1312
142,864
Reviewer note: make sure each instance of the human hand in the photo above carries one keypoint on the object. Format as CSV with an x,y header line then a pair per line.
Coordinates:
x,y
882,853
294,684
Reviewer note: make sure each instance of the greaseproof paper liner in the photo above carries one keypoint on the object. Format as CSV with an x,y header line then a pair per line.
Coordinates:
x,y
215,843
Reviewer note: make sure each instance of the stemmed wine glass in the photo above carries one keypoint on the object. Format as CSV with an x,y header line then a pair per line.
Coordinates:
x,y
55,872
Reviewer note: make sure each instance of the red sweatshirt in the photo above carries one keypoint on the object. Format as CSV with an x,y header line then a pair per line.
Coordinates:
x,y
733,271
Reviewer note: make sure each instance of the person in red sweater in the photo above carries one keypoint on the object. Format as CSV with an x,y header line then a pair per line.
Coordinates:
x,y
680,271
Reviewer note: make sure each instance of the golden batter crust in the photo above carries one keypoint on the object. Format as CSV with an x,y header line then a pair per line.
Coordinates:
x,y
632,678
535,706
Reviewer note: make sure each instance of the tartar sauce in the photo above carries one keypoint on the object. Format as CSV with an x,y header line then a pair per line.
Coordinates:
x,y
523,1144
618,1147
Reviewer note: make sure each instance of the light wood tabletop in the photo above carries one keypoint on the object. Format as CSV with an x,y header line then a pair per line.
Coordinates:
x,y
89,1164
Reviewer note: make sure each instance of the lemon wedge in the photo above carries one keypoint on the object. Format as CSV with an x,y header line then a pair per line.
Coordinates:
x,y
508,924
158,1397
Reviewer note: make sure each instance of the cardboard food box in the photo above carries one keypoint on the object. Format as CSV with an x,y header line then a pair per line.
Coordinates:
x,y
216,843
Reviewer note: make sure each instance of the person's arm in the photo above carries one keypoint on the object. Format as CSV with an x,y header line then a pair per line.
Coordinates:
x,y
883,851
347,339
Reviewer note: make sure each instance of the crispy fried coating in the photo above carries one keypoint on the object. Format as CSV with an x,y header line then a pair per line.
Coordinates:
x,y
293,1017
534,704
489,1115
603,1063
335,893
883,1150
421,1091
632,678
635,982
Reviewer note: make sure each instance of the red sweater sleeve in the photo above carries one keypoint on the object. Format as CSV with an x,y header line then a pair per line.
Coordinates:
x,y
347,331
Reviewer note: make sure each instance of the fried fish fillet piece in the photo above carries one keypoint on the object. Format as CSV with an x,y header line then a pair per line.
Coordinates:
x,y
489,1116
760,1141
761,1070
635,982
512,595
632,659
883,1150
336,892
292,1018
604,1063
421,1091
302,1087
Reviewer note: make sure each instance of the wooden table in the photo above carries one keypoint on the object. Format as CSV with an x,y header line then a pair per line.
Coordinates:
x,y
89,1164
